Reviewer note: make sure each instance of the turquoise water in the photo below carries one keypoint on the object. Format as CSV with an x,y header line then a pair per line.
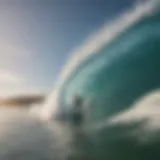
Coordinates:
x,y
124,70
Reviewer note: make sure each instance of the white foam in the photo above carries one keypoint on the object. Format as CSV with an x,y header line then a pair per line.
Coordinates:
x,y
146,109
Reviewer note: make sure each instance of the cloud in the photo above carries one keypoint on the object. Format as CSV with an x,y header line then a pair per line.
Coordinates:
x,y
12,84
7,78
9,82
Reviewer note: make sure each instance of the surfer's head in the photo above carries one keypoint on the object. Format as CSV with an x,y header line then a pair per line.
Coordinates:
x,y
77,101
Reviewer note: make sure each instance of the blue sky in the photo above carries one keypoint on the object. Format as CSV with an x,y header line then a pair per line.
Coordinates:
x,y
37,36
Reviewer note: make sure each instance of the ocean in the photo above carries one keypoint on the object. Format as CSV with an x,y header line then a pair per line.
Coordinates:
x,y
120,85
25,136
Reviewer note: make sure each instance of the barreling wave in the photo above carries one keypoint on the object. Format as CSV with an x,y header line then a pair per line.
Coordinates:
x,y
101,67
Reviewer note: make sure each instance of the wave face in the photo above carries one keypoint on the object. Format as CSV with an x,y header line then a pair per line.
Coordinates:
x,y
118,72
121,73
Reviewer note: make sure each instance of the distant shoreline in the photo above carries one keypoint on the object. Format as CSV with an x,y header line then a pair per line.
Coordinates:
x,y
22,101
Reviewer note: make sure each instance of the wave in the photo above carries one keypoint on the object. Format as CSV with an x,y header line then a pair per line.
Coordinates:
x,y
109,54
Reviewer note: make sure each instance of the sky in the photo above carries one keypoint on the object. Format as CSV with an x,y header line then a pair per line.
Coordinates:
x,y
38,36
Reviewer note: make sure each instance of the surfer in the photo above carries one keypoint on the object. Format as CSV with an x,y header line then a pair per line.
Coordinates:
x,y
77,114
